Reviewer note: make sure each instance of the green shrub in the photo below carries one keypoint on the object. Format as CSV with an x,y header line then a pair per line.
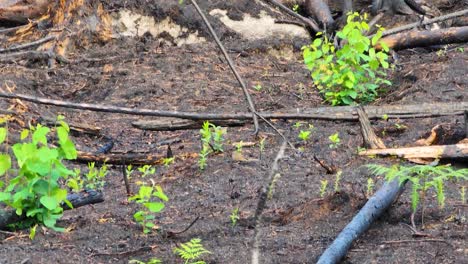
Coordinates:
x,y
35,191
353,73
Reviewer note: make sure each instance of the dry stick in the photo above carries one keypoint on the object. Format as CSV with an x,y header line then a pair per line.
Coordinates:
x,y
8,30
427,22
231,65
343,113
28,45
262,202
309,22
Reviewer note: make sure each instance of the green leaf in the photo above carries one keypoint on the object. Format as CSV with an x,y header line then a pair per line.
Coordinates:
x,y
154,207
49,202
3,134
24,134
39,135
5,163
69,150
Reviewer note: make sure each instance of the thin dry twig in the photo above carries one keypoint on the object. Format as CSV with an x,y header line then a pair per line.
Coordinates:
x,y
28,45
309,22
262,202
231,65
430,240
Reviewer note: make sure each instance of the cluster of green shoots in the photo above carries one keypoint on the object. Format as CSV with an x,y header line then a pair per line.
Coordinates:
x,y
334,140
212,138
353,73
422,179
191,252
336,185
94,179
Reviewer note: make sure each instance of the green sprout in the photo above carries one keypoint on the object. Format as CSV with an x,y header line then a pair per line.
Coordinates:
x,y
335,140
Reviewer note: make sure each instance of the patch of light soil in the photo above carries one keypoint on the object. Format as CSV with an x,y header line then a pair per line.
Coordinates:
x,y
129,24
258,28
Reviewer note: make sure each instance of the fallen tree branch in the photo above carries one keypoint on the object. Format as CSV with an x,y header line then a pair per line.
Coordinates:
x,y
231,65
425,38
264,194
458,151
345,113
310,23
427,22
371,211
121,158
371,140
76,199
28,45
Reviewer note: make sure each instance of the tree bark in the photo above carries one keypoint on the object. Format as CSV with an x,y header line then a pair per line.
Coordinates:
x,y
458,151
426,38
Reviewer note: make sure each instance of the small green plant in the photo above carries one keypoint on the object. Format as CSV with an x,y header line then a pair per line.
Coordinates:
x,y
323,188
370,187
146,170
234,216
168,161
297,125
422,178
129,171
239,145
151,261
335,140
336,186
258,87
212,138
35,190
304,135
461,49
353,73
192,251
146,197
94,179
295,8
385,117
400,126
262,144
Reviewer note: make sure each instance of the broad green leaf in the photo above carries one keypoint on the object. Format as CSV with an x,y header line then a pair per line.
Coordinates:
x,y
5,163
49,202
3,134
154,207
39,135
24,134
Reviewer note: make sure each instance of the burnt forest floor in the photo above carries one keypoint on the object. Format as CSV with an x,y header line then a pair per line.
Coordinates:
x,y
144,72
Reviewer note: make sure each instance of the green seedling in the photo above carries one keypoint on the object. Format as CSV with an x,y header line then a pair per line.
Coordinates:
x,y
192,251
304,135
239,146
262,144
258,87
35,191
385,117
336,186
168,161
94,179
146,197
335,140
146,170
129,171
234,216
297,125
323,188
295,8
461,49
353,73
370,187
212,138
